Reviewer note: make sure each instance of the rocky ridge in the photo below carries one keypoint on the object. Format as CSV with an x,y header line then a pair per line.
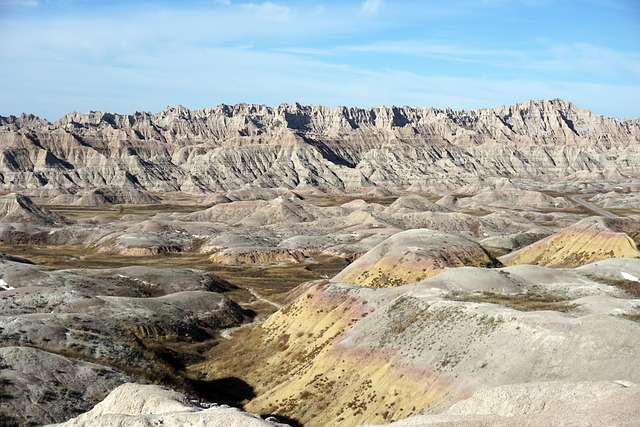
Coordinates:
x,y
294,146
17,208
415,325
132,405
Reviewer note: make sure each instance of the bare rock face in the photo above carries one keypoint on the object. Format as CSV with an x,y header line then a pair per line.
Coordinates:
x,y
20,209
106,196
414,204
256,256
132,405
412,256
293,146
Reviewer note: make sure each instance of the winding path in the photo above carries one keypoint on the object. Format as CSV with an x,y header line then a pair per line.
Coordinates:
x,y
579,199
227,333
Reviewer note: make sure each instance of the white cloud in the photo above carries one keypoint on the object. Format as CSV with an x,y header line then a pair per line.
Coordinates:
x,y
370,6
269,10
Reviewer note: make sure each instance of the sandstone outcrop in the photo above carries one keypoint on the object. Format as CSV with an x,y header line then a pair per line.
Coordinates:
x,y
293,146
511,199
256,256
416,323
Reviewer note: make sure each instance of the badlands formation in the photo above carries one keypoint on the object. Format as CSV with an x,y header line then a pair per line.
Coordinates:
x,y
247,265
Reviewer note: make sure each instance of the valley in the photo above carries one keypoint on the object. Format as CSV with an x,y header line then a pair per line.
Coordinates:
x,y
320,267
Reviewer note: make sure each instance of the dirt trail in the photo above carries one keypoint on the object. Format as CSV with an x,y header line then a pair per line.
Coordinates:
x,y
227,334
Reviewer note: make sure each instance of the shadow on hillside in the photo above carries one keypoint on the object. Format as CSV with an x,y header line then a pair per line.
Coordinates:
x,y
234,392
230,391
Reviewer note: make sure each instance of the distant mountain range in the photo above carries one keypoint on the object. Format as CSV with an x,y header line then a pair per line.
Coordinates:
x,y
336,149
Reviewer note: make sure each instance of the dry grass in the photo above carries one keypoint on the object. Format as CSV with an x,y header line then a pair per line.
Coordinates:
x,y
76,256
476,212
165,361
272,281
521,302
496,252
275,281
327,200
237,358
624,211
629,286
633,317
117,211
576,210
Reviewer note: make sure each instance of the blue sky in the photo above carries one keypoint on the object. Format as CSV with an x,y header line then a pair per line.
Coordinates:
x,y
59,56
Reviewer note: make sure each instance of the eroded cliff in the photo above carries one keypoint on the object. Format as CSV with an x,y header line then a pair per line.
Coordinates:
x,y
293,146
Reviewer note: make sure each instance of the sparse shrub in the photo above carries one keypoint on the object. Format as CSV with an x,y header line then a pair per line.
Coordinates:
x,y
523,302
305,394
629,286
634,317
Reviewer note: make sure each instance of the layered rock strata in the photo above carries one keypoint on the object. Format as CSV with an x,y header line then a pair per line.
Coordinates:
x,y
294,146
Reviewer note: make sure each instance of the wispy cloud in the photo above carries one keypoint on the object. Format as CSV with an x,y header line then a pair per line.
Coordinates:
x,y
581,58
19,3
432,49
269,10
160,54
369,7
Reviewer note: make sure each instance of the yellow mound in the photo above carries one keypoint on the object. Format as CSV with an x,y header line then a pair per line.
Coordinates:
x,y
309,373
587,241
412,256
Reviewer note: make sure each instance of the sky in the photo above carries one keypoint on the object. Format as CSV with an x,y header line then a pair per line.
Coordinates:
x,y
60,56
